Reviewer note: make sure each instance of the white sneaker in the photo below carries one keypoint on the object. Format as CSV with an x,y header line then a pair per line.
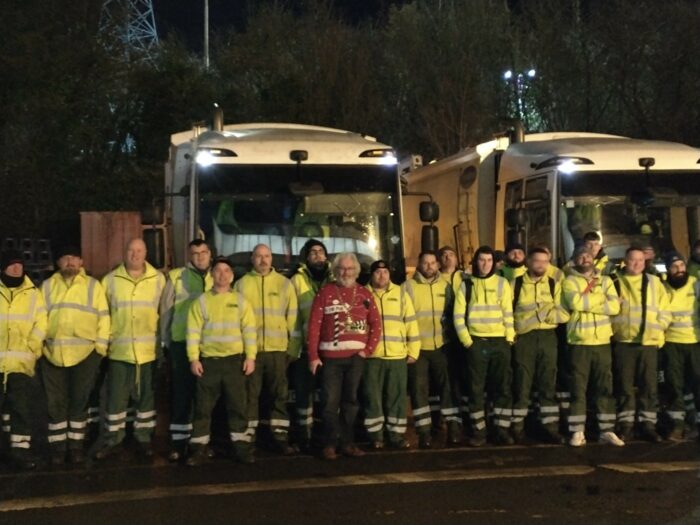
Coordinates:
x,y
578,439
611,437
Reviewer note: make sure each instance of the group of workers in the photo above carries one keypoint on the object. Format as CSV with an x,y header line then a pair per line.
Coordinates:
x,y
495,347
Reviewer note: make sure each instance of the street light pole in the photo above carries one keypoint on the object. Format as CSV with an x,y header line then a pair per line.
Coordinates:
x,y
206,34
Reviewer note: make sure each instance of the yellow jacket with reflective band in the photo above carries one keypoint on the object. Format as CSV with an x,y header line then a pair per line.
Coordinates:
x,y
400,336
536,309
133,305
490,310
511,273
220,325
22,328
589,323
555,273
306,288
183,286
78,319
627,323
274,302
432,302
683,307
454,279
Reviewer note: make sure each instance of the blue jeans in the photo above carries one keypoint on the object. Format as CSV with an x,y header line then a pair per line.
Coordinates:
x,y
340,381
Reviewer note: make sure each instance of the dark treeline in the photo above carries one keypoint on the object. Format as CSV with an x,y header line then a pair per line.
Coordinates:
x,y
84,129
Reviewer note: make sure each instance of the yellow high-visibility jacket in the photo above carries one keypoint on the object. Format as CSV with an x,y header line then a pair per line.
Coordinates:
x,y
536,308
183,286
590,322
133,305
400,336
555,273
78,319
221,325
306,288
685,318
628,323
489,312
432,302
274,302
22,328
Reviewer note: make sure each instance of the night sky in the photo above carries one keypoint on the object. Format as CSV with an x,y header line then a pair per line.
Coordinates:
x,y
185,17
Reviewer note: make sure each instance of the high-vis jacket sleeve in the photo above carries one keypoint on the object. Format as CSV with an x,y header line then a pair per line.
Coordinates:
x,y
412,333
293,319
35,341
195,324
167,304
459,316
601,299
248,329
103,320
557,313
506,301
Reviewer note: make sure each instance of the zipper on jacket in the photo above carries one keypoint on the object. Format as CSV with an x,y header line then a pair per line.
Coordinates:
x,y
263,311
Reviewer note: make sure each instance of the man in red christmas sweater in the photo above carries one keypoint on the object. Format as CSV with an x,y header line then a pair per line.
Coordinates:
x,y
344,328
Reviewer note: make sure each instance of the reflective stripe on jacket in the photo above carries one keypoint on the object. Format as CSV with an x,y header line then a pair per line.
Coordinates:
x,y
589,323
400,336
78,319
220,325
274,302
22,328
133,305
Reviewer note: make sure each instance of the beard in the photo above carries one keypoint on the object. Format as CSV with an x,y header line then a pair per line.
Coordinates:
x,y
584,268
69,273
346,283
515,264
537,273
678,280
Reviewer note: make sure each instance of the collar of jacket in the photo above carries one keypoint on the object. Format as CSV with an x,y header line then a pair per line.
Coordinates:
x,y
424,280
149,272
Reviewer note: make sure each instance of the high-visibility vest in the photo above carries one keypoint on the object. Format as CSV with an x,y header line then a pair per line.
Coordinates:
x,y
274,302
555,273
184,285
484,308
432,302
644,314
221,325
306,289
683,306
537,304
589,322
400,336
133,305
22,328
78,319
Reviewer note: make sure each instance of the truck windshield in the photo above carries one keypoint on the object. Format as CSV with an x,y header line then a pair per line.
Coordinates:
x,y
627,209
350,209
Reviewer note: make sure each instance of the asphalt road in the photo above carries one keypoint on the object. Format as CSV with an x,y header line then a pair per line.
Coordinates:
x,y
639,483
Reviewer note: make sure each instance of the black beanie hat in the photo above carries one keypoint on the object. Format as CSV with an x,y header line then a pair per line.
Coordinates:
x,y
310,244
9,258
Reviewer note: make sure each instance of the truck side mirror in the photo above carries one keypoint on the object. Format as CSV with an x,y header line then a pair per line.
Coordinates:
x,y
516,218
429,211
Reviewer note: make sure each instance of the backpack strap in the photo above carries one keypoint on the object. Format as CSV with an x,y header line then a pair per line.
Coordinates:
x,y
468,286
517,287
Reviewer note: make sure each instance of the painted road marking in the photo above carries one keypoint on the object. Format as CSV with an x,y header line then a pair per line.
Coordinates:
x,y
72,500
645,468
